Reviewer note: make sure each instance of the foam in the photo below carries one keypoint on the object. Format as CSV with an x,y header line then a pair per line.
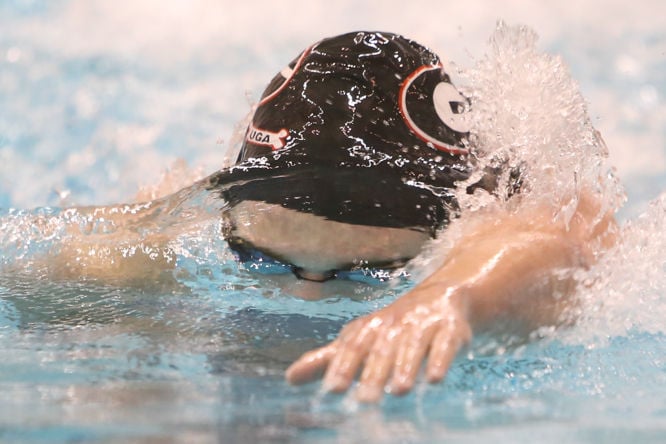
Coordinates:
x,y
529,113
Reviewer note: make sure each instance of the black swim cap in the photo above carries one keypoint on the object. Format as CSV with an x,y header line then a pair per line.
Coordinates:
x,y
363,128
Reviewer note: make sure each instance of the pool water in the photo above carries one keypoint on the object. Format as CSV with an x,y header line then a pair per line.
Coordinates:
x,y
99,100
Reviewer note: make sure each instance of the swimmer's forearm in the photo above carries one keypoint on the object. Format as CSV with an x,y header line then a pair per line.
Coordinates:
x,y
511,270
521,266
118,243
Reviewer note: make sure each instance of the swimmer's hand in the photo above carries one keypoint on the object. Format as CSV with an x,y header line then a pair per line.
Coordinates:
x,y
390,345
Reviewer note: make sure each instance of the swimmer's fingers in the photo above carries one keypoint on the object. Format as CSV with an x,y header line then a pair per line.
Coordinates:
x,y
311,365
399,351
414,344
445,346
355,341
378,367
390,345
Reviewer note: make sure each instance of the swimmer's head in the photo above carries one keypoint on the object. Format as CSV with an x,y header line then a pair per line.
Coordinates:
x,y
357,95
363,128
350,158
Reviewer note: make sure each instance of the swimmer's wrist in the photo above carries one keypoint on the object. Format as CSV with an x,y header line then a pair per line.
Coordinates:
x,y
445,297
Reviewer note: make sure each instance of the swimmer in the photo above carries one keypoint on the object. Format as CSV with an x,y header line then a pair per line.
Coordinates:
x,y
366,138
351,161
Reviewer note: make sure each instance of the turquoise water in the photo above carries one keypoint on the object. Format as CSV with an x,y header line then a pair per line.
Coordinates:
x,y
98,100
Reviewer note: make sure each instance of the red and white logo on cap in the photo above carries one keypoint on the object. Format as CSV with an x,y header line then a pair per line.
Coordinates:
x,y
444,97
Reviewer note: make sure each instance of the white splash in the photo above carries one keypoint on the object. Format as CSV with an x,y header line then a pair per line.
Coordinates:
x,y
626,290
529,114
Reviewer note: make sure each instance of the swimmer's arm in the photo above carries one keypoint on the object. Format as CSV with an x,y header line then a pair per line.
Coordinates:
x,y
113,244
516,266
129,244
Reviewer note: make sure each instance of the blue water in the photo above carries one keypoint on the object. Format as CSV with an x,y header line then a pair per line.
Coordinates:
x,y
97,100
